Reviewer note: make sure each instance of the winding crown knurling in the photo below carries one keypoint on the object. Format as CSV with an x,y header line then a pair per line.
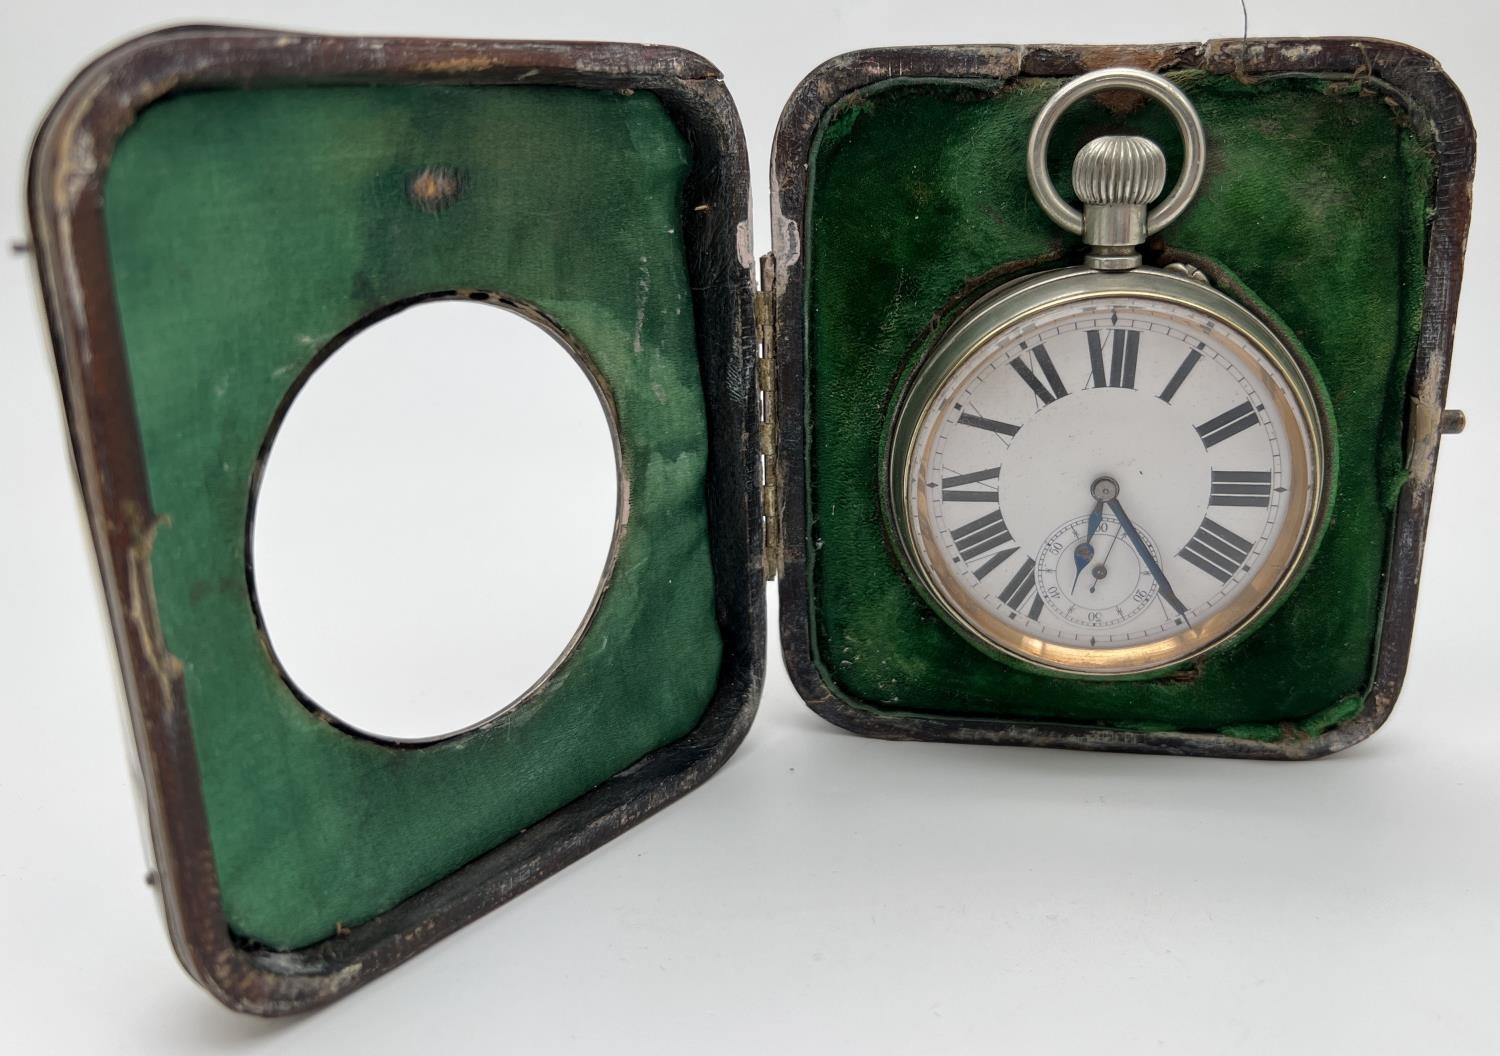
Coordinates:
x,y
1116,178
1119,170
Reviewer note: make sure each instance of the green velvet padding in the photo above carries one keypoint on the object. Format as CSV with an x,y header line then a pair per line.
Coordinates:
x,y
1315,199
247,229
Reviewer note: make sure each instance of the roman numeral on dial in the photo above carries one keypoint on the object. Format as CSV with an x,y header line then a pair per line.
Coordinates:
x,y
1052,388
1022,586
954,489
1231,423
1239,488
1181,373
1216,550
987,535
1125,349
979,421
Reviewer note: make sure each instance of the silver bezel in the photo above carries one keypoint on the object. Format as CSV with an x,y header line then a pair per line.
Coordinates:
x,y
1011,304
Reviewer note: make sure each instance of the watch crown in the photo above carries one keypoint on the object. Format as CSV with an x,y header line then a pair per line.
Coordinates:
x,y
1119,170
1116,178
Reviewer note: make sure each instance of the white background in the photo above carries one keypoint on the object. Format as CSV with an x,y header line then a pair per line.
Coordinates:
x,y
823,893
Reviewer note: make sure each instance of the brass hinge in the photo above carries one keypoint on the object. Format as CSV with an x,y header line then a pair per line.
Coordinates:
x,y
765,380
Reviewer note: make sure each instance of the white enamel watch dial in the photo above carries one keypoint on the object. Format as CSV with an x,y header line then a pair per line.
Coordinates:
x,y
1108,469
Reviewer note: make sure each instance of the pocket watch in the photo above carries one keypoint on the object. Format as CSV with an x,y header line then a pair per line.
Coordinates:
x,y
1109,469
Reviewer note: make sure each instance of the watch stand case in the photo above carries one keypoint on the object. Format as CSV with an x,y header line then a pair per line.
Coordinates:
x,y
201,250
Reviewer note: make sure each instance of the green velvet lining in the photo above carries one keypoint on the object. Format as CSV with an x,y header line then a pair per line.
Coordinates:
x,y
247,229
1315,198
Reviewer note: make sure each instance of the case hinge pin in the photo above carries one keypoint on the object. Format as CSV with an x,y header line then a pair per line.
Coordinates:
x,y
765,376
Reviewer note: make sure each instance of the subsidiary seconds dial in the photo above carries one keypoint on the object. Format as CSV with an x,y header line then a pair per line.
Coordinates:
x,y
1112,483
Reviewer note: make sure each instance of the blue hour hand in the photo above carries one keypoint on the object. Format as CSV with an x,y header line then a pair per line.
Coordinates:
x,y
1103,489
1083,553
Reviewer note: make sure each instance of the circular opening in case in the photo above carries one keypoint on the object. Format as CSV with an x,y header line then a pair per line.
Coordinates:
x,y
433,518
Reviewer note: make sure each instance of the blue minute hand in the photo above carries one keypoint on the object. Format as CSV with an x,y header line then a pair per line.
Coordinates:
x,y
1146,558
